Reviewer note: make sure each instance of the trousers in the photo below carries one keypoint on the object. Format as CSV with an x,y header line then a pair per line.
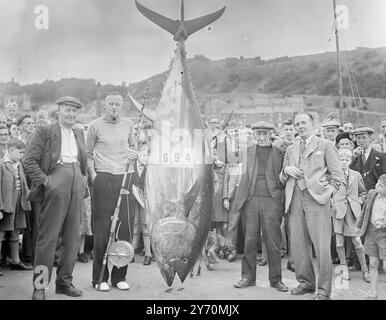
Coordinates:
x,y
61,209
268,213
310,224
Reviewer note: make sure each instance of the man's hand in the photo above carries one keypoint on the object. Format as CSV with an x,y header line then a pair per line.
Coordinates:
x,y
132,154
226,203
93,175
293,171
356,152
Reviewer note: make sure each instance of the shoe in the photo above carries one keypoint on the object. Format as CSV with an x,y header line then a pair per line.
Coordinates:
x,y
20,266
298,291
153,258
147,261
345,274
104,287
232,256
280,286
142,253
366,276
70,291
82,258
321,297
262,262
123,285
39,294
243,283
290,266
132,260
353,268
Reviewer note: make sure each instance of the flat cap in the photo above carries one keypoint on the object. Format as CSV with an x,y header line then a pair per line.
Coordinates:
x,y
361,130
70,101
332,123
263,126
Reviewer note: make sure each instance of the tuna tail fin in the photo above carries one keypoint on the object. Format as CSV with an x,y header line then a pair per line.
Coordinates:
x,y
179,28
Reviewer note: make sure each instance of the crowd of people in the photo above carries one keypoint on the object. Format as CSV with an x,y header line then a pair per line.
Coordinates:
x,y
297,190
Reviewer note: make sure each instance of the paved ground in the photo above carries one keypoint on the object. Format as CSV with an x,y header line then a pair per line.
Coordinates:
x,y
146,283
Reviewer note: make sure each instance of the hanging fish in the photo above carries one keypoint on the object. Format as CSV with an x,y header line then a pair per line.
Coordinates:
x,y
179,177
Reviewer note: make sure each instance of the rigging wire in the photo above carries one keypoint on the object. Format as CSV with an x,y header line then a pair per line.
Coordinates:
x,y
356,90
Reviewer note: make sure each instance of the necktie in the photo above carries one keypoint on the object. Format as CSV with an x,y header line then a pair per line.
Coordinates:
x,y
364,157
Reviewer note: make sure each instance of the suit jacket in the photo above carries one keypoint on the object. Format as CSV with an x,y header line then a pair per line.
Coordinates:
x,y
321,170
8,188
249,176
353,194
364,218
42,154
377,162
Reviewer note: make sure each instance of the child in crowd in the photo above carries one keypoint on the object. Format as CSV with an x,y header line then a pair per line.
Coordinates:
x,y
137,187
348,201
372,223
13,201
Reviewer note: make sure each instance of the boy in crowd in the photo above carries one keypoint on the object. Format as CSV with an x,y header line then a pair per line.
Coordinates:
x,y
347,202
13,201
372,224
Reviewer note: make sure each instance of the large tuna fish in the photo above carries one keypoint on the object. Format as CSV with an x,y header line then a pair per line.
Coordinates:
x,y
179,184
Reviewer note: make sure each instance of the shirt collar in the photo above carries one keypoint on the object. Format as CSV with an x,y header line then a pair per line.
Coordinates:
x,y
6,159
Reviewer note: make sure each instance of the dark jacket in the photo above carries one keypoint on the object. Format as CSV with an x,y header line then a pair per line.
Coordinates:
x,y
249,177
42,154
377,166
8,196
364,219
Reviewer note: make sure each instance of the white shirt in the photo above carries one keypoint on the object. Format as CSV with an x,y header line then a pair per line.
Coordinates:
x,y
378,213
69,151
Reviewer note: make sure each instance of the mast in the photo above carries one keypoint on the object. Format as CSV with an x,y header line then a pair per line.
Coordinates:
x,y
339,69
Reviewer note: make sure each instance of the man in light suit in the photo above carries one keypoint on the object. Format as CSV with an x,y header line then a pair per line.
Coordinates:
x,y
311,173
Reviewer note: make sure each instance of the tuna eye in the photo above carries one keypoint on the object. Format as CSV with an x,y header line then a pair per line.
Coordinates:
x,y
185,260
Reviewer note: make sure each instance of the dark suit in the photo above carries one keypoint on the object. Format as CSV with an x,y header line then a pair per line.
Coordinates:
x,y
61,198
374,167
267,209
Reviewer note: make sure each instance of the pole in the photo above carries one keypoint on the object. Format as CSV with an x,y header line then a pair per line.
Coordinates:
x,y
339,70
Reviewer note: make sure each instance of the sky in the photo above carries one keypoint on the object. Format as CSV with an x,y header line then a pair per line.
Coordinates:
x,y
111,42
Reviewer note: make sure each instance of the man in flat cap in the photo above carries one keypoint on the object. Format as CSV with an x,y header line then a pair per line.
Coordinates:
x,y
311,174
56,163
260,199
369,162
331,130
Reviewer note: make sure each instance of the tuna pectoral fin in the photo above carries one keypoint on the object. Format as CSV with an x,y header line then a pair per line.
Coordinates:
x,y
194,25
148,113
188,198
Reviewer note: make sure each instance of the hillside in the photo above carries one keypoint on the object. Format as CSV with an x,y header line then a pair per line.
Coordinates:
x,y
311,75
304,75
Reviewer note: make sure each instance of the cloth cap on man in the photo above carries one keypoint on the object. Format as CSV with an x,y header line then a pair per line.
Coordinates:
x,y
262,126
70,101
362,130
331,124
